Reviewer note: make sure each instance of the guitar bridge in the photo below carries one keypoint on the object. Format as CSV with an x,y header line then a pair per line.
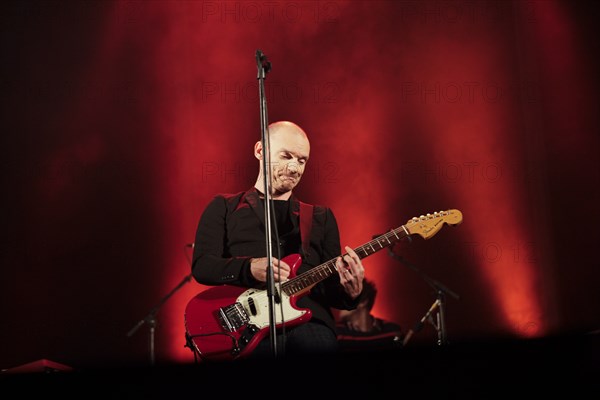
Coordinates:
x,y
233,317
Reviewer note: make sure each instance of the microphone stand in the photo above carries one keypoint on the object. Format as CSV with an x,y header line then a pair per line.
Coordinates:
x,y
264,66
150,319
438,305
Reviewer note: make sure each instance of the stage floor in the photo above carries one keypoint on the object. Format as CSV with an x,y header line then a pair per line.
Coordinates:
x,y
474,369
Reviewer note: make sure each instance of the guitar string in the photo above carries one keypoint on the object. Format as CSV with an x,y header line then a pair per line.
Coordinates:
x,y
330,265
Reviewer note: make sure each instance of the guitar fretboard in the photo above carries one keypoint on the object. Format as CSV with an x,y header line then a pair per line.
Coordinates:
x,y
323,271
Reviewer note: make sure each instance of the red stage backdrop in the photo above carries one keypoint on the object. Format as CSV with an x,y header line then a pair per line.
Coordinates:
x,y
122,119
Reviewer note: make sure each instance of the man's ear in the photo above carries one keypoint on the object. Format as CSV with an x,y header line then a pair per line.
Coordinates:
x,y
258,150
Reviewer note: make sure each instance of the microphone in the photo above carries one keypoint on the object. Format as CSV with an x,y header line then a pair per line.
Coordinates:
x,y
261,59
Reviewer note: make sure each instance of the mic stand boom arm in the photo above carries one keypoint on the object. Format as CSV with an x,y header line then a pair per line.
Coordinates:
x,y
438,305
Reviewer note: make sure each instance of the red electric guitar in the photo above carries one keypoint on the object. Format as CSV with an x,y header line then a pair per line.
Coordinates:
x,y
227,322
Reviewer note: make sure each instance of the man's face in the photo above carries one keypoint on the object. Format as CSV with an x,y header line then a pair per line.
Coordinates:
x,y
289,155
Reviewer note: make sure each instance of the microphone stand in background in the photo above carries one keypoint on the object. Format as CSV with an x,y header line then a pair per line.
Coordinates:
x,y
438,308
150,319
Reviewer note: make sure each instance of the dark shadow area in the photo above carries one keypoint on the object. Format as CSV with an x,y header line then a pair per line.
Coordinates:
x,y
486,368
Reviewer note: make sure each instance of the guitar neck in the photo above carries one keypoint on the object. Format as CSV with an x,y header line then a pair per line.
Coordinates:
x,y
325,270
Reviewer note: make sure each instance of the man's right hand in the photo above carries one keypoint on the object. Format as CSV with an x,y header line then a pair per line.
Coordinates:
x,y
258,269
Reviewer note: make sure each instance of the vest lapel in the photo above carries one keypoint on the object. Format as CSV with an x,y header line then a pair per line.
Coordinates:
x,y
252,198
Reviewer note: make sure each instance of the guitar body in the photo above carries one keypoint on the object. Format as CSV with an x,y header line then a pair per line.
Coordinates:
x,y
227,322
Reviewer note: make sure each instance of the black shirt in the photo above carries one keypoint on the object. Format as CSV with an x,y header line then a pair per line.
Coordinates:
x,y
231,231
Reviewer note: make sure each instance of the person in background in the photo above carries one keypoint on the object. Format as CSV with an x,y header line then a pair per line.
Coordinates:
x,y
359,329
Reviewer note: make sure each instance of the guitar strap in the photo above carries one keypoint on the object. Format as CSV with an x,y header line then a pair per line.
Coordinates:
x,y
306,219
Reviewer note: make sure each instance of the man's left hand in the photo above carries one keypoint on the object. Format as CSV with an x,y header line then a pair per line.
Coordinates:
x,y
351,272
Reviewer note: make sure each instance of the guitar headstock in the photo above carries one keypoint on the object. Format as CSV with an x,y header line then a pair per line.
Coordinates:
x,y
430,224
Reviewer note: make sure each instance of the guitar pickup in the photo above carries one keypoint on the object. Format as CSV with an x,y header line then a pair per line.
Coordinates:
x,y
277,297
252,306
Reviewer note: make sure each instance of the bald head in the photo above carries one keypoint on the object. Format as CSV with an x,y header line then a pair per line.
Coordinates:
x,y
286,127
287,136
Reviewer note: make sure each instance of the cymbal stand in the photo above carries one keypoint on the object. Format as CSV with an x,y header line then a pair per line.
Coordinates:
x,y
150,319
